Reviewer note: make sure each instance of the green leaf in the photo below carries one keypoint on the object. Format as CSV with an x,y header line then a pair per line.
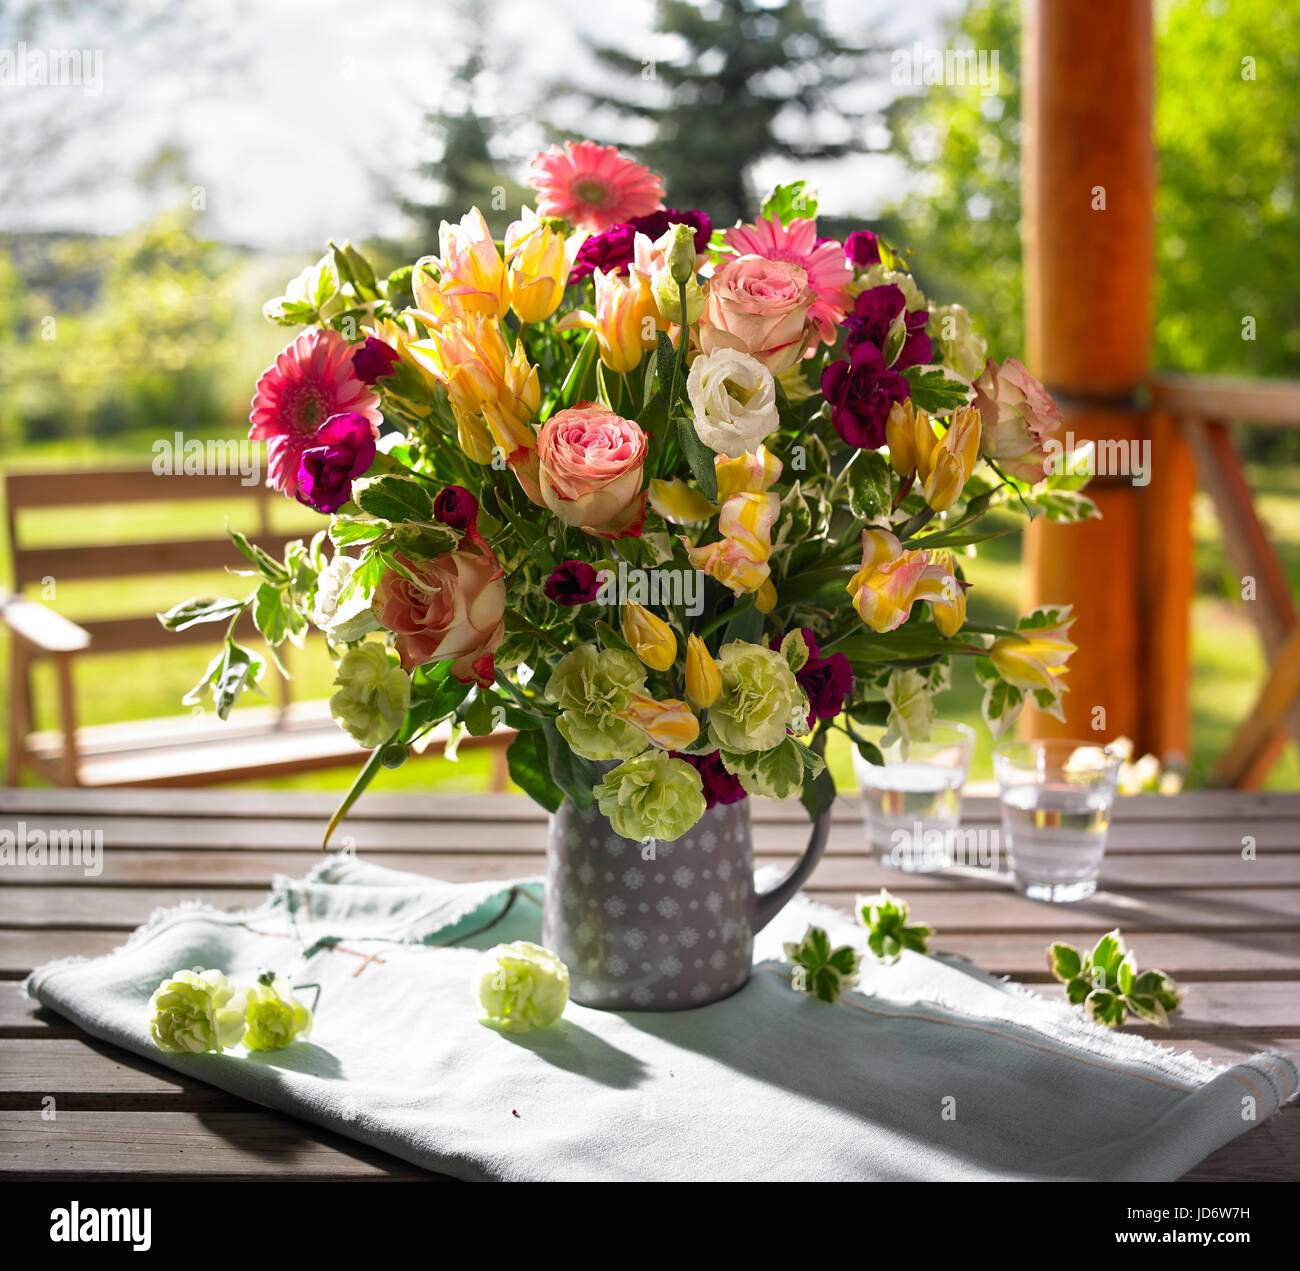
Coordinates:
x,y
873,714
530,769
239,668
937,389
270,568
699,457
345,530
1124,973
576,776
794,200
746,623
1065,506
572,388
1064,961
1106,954
394,498
1002,703
189,613
271,613
869,751
869,485
1077,990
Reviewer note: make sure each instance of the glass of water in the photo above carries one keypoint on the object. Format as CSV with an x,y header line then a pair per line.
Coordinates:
x,y
1056,800
912,802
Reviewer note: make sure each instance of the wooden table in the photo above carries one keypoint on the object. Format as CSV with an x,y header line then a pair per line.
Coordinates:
x,y
1175,880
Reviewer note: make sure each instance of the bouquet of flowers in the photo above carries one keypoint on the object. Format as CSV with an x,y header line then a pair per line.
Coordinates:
x,y
671,501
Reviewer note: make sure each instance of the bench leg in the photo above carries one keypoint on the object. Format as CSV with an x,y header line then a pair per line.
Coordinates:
x,y
67,721
20,710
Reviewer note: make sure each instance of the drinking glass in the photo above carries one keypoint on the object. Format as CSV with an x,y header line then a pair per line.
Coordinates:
x,y
912,802
1056,801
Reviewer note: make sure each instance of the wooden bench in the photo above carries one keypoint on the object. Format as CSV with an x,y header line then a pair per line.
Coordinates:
x,y
183,750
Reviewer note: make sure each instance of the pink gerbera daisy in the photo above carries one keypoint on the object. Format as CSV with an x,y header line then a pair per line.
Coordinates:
x,y
797,244
593,187
310,380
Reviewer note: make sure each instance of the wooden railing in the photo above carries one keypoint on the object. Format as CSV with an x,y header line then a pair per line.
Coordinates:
x,y
1200,409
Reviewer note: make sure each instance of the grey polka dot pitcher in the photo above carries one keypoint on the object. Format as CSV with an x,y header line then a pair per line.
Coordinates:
x,y
660,926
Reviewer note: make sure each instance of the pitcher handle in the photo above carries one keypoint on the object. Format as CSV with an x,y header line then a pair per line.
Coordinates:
x,y
768,904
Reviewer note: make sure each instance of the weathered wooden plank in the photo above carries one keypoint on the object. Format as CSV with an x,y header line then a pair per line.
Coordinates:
x,y
982,904
1270,1153
160,1146
1190,806
22,1017
83,1074
1205,955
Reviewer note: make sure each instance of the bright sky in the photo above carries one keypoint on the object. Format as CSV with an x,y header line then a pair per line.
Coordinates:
x,y
294,114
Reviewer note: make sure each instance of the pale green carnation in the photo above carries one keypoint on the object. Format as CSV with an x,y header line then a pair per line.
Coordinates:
x,y
652,796
589,686
911,708
194,1012
274,1016
960,349
759,702
373,694
519,987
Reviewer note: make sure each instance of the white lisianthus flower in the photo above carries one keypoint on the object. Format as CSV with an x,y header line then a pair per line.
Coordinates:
x,y
960,348
349,621
734,399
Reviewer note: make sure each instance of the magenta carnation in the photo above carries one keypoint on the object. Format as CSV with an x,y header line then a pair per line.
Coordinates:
x,y
573,583
374,360
613,251
344,450
861,389
875,311
827,682
720,786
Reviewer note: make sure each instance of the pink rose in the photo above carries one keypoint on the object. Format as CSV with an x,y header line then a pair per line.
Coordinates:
x,y
589,470
1018,417
455,610
760,307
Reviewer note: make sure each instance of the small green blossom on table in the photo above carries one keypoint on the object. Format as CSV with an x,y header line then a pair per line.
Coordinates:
x,y
519,987
274,1017
819,970
888,931
1107,983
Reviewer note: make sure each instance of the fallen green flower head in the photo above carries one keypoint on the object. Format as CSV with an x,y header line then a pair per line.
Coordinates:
x,y
888,931
1107,984
819,970
193,1012
274,1016
519,987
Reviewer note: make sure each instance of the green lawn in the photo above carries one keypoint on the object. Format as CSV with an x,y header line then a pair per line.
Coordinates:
x,y
1227,660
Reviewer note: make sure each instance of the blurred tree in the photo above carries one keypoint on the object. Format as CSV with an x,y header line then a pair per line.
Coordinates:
x,y
465,172
749,77
1227,203
963,217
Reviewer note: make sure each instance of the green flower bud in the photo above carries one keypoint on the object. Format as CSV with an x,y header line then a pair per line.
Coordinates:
x,y
668,299
760,700
194,1012
590,686
679,252
652,796
274,1016
519,987
373,694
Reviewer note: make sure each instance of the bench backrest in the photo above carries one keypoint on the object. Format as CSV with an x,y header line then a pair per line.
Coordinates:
x,y
77,560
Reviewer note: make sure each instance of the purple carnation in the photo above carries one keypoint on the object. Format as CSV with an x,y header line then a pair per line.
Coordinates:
x,y
373,360
720,786
573,583
875,311
344,449
862,248
456,507
861,389
826,681
613,250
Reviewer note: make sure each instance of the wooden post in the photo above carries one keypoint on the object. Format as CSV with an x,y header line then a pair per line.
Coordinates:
x,y
1088,187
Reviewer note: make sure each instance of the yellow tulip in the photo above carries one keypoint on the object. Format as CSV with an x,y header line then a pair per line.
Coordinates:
x,y
670,724
494,393
537,267
703,674
890,581
650,636
754,473
765,597
679,503
739,560
1035,661
951,462
899,428
626,321
472,275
